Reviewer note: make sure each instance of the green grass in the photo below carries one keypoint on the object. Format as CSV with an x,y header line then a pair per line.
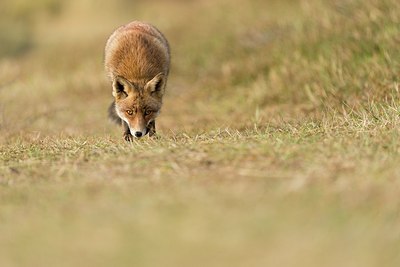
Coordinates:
x,y
278,141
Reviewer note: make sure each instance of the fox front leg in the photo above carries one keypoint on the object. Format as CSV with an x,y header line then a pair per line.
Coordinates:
x,y
127,133
152,128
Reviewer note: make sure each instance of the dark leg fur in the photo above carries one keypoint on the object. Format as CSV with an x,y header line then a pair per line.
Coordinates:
x,y
152,128
127,133
112,114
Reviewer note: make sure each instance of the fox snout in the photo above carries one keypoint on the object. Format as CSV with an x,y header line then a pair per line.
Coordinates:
x,y
138,134
139,128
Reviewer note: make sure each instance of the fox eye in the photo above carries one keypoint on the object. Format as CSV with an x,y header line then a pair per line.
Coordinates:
x,y
148,112
129,112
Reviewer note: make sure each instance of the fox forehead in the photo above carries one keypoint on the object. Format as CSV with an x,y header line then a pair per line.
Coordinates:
x,y
138,102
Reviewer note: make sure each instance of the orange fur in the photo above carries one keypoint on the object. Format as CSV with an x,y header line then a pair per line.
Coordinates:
x,y
137,60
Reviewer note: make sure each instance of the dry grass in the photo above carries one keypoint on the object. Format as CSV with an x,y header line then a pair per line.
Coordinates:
x,y
278,145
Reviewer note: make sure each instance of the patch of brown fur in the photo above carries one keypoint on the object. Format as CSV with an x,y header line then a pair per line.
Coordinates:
x,y
137,52
139,103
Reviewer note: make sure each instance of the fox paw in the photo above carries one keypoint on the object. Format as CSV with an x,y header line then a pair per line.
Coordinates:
x,y
128,137
154,135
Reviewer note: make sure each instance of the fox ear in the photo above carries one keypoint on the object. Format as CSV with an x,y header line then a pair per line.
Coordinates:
x,y
156,85
121,87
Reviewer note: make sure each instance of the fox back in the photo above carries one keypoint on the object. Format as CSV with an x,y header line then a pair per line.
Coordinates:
x,y
137,60
137,51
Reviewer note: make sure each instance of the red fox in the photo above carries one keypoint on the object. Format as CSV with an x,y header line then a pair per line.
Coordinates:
x,y
137,60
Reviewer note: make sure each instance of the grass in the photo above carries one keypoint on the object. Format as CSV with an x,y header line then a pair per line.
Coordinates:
x,y
278,141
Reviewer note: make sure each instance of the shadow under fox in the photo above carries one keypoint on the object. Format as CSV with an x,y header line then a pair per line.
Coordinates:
x,y
137,61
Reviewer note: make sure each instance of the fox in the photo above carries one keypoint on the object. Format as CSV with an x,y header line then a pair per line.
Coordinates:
x,y
137,62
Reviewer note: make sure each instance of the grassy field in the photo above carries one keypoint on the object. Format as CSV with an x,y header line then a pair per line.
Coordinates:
x,y
279,138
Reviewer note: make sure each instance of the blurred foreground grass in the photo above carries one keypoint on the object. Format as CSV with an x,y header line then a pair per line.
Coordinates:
x,y
278,138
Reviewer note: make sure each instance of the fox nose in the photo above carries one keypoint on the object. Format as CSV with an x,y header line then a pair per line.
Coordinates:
x,y
138,134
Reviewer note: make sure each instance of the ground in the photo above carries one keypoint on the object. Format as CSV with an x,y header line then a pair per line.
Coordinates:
x,y
278,142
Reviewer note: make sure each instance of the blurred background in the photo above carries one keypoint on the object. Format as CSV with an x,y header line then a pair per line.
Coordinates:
x,y
51,61
233,62
281,125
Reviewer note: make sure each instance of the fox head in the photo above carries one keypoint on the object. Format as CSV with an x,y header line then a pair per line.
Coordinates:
x,y
138,104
